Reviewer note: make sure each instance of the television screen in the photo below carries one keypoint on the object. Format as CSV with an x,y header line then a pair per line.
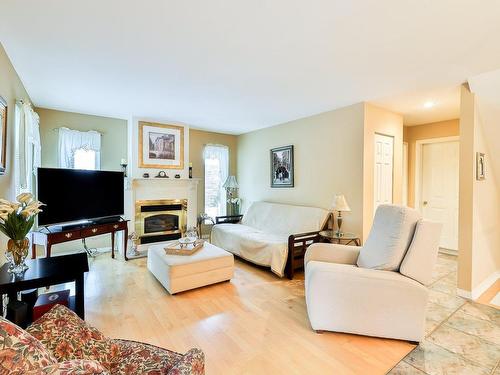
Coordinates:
x,y
74,194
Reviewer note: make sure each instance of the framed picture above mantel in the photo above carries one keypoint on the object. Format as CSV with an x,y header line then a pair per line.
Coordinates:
x,y
282,173
3,135
161,146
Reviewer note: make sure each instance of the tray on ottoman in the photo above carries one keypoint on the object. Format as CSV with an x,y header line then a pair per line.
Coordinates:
x,y
178,273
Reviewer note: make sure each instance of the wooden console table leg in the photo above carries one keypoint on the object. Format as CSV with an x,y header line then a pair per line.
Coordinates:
x,y
33,249
113,245
125,238
48,248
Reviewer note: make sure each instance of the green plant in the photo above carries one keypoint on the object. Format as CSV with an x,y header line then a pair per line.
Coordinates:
x,y
17,218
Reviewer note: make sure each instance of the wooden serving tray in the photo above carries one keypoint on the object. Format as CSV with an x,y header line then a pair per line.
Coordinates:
x,y
175,248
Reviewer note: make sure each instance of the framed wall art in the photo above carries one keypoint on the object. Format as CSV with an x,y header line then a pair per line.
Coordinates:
x,y
480,166
161,146
3,135
282,173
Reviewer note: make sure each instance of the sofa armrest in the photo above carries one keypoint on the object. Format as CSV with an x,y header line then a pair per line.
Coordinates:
x,y
297,246
191,363
332,253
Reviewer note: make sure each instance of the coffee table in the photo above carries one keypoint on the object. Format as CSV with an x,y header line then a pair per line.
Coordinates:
x,y
44,272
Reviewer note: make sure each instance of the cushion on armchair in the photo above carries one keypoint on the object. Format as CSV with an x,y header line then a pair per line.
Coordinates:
x,y
390,236
20,352
68,337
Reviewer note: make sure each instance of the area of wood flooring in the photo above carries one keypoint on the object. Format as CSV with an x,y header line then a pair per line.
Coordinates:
x,y
254,324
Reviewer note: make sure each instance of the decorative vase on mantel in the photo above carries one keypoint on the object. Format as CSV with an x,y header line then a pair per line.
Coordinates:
x,y
16,220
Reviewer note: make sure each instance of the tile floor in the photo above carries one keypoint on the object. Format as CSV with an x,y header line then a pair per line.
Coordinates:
x,y
462,337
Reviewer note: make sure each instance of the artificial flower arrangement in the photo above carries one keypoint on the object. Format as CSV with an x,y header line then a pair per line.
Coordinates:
x,y
16,220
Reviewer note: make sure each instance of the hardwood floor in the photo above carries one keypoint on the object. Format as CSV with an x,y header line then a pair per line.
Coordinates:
x,y
254,324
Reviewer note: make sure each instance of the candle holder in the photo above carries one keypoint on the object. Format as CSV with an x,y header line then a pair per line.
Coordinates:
x,y
124,165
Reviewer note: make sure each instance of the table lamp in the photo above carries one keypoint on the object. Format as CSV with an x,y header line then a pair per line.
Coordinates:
x,y
231,186
340,205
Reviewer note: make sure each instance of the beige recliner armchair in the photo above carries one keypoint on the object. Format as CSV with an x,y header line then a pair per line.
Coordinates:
x,y
378,289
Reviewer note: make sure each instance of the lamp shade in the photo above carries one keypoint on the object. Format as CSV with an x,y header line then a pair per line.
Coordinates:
x,y
230,183
340,203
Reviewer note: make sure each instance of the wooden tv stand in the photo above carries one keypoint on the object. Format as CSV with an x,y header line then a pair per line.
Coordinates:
x,y
48,237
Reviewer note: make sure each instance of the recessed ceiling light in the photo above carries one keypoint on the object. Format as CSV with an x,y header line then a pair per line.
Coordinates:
x,y
429,104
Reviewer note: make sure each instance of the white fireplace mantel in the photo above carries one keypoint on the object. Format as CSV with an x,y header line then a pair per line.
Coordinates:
x,y
167,188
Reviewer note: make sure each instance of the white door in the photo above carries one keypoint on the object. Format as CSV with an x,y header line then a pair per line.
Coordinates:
x,y
439,189
384,151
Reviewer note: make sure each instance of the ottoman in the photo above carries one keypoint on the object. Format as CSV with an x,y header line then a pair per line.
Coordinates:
x,y
178,273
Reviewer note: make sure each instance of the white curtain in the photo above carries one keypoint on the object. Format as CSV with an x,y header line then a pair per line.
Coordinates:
x,y
72,140
29,154
220,153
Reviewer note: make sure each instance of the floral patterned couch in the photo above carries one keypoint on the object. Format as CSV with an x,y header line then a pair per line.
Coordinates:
x,y
61,343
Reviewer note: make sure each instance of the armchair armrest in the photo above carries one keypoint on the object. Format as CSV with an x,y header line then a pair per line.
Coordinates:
x,y
332,253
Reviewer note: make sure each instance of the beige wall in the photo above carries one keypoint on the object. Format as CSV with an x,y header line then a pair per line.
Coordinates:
x,y
328,155
380,121
479,210
113,141
197,141
11,88
412,134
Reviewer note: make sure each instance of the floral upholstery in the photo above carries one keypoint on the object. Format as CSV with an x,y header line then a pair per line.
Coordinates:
x,y
73,367
69,339
20,352
140,358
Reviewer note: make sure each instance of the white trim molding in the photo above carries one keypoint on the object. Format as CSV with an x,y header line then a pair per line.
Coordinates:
x,y
481,288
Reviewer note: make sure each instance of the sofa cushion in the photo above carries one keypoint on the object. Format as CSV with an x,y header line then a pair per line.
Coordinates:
x,y
69,337
284,219
141,358
20,352
388,241
259,247
420,259
74,366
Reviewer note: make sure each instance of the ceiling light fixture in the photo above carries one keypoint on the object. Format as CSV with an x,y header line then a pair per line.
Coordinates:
x,y
429,104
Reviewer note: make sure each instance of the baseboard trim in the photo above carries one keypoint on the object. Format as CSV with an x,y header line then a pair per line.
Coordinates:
x,y
481,288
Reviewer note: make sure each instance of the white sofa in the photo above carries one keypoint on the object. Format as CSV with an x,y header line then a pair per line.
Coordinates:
x,y
378,289
263,235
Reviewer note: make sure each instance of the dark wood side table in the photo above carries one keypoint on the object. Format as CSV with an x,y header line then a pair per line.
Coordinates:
x,y
49,271
48,238
344,239
228,219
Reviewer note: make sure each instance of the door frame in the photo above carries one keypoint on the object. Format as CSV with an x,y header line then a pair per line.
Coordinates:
x,y
393,171
418,163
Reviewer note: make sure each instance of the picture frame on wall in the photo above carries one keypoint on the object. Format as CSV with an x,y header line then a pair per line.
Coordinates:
x,y
3,135
282,172
480,166
161,146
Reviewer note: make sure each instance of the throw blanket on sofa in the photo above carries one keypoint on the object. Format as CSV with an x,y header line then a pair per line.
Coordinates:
x,y
262,236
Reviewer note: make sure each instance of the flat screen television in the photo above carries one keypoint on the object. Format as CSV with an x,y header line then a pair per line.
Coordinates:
x,y
73,195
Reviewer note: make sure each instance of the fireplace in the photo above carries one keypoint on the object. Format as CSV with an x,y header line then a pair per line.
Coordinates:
x,y
160,220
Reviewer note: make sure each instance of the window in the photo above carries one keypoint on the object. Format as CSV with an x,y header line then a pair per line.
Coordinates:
x,y
216,171
79,150
84,159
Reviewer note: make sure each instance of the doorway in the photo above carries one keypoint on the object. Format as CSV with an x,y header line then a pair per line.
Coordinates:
x,y
384,170
437,186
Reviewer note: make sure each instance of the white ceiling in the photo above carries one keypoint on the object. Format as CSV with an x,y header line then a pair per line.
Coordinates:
x,y
426,106
234,65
